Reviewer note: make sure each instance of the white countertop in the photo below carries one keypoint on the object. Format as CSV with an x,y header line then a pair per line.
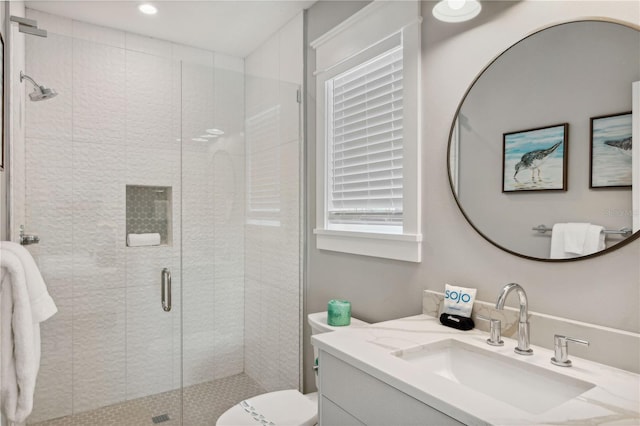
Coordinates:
x,y
614,400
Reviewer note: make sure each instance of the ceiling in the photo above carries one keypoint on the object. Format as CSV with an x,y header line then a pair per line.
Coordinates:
x,y
234,27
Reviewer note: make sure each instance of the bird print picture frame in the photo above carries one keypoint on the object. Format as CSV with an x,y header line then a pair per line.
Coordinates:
x,y
535,159
611,151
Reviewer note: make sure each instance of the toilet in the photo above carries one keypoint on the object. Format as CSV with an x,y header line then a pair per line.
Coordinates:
x,y
287,407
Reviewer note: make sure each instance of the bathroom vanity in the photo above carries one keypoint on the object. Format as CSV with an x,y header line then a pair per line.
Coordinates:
x,y
350,396
416,371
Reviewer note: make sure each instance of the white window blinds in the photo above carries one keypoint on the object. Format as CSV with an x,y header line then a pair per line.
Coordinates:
x,y
365,139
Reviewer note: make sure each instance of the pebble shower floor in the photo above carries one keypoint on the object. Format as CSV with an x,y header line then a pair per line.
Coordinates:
x,y
203,404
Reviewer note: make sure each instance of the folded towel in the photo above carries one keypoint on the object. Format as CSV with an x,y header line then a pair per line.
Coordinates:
x,y
18,355
139,240
569,240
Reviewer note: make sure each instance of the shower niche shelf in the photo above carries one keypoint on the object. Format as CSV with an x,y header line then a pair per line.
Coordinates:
x,y
148,212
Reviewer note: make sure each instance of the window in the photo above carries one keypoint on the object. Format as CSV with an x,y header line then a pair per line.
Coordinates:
x,y
364,117
368,180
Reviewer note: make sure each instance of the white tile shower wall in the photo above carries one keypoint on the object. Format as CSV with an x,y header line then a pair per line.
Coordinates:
x,y
56,367
148,344
149,101
96,34
96,68
117,121
272,283
99,348
51,59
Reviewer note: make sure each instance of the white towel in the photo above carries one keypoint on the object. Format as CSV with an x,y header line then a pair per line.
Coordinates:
x,y
594,240
42,305
569,240
18,366
557,242
24,304
574,237
139,240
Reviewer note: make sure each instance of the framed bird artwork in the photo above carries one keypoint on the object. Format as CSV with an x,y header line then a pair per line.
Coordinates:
x,y
611,151
535,159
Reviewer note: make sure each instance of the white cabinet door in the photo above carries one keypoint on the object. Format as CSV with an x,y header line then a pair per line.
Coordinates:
x,y
369,400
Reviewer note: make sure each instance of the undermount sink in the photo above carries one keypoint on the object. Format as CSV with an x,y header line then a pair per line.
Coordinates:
x,y
522,385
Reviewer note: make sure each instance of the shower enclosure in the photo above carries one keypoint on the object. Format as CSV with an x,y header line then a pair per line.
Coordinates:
x,y
148,136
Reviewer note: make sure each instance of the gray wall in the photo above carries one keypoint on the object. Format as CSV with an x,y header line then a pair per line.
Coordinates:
x,y
565,74
379,289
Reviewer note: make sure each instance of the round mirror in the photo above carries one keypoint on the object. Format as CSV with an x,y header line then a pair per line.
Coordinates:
x,y
543,138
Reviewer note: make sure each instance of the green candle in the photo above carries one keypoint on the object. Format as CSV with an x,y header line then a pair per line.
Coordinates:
x,y
339,313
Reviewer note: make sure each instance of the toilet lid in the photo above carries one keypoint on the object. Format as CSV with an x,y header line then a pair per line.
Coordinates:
x,y
282,408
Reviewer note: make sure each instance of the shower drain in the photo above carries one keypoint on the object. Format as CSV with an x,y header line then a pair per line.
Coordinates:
x,y
161,418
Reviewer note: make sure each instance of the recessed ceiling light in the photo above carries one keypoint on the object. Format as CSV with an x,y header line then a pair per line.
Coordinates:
x,y
199,140
217,132
148,9
456,10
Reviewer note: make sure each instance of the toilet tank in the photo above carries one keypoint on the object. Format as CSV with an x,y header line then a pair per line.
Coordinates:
x,y
318,323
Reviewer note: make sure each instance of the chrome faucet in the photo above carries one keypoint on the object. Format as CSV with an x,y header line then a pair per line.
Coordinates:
x,y
523,322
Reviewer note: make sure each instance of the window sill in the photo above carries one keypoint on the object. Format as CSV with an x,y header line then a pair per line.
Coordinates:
x,y
406,247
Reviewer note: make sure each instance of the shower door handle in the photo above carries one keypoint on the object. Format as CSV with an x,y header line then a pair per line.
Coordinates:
x,y
165,290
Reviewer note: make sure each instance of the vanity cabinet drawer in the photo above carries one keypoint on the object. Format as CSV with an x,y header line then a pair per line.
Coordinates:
x,y
331,414
370,400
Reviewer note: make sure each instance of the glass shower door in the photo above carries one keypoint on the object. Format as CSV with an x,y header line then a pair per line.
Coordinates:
x,y
213,237
102,168
241,293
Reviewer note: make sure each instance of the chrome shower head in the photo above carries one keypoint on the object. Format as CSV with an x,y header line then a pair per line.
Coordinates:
x,y
39,93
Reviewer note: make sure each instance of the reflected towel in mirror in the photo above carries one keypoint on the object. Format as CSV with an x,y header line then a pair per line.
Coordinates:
x,y
569,240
